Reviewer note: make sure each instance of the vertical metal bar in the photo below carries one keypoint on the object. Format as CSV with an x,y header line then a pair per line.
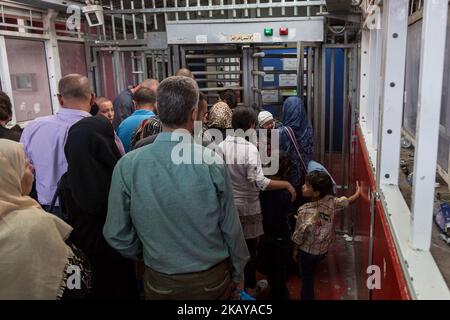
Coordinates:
x,y
175,58
371,231
221,4
3,14
331,117
154,67
113,22
308,8
124,27
364,77
300,70
234,10
144,17
176,13
283,7
295,8
310,84
124,72
391,113
376,92
163,63
210,11
316,76
133,16
155,16
144,65
183,62
165,13
134,69
169,62
344,129
198,5
323,106
246,10
52,57
5,75
105,85
90,66
427,133
372,80
270,8
246,75
188,13
258,10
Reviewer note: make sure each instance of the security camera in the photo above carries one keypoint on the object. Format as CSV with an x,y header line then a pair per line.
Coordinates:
x,y
94,15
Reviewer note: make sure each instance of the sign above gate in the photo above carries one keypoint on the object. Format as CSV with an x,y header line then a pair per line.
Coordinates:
x,y
253,31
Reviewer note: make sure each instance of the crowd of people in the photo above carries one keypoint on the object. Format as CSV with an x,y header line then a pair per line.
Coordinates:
x,y
96,204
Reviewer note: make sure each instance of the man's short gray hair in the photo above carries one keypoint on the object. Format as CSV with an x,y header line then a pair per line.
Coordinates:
x,y
177,97
150,83
75,87
185,72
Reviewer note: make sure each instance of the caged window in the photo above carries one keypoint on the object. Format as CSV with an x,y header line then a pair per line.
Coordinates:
x,y
411,94
29,79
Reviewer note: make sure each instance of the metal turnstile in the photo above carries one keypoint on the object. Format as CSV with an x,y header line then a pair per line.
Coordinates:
x,y
216,68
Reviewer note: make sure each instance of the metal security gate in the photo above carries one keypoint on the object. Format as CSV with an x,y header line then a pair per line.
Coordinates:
x,y
216,68
158,64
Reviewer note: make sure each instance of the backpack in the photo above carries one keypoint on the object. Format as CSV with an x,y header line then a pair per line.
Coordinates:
x,y
147,127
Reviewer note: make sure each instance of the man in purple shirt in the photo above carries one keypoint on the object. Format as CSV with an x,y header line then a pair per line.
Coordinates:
x,y
44,138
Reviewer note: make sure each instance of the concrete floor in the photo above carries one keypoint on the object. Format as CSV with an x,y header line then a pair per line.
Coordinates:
x,y
335,277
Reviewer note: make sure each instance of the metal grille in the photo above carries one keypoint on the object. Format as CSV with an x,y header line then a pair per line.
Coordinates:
x,y
130,20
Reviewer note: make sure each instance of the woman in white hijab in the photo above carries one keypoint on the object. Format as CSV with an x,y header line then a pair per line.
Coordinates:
x,y
34,257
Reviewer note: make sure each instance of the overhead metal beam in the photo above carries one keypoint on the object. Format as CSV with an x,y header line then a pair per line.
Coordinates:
x,y
222,7
59,5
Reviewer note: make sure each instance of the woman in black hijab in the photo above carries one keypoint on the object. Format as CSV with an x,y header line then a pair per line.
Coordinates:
x,y
91,155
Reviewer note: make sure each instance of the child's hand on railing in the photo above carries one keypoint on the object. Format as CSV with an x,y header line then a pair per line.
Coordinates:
x,y
356,195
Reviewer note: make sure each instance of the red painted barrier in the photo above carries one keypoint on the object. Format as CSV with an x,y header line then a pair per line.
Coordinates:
x,y
384,253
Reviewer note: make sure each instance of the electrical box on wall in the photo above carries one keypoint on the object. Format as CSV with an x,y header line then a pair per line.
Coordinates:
x,y
219,32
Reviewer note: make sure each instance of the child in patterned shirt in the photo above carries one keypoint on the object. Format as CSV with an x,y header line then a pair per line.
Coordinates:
x,y
314,230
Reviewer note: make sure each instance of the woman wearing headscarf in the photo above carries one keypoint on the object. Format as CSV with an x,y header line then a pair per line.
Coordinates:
x,y
35,261
91,154
219,117
296,139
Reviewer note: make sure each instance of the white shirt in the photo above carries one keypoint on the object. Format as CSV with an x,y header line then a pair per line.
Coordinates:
x,y
245,169
244,164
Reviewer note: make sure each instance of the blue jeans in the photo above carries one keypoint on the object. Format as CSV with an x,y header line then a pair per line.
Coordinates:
x,y
308,263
